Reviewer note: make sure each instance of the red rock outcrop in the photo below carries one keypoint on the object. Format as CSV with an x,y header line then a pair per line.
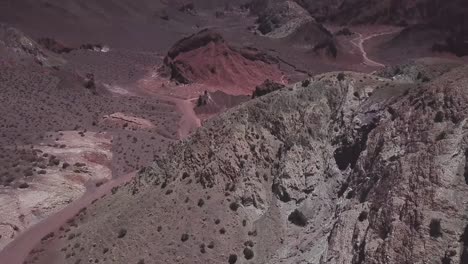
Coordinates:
x,y
207,58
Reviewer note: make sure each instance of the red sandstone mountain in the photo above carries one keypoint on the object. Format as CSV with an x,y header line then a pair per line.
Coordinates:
x,y
207,58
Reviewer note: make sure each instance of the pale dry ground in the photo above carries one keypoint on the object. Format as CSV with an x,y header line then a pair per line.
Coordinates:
x,y
33,236
52,191
132,122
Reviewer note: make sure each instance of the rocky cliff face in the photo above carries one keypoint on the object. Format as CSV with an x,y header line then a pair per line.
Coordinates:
x,y
346,168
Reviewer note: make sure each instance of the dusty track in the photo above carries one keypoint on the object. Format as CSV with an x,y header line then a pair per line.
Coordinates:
x,y
17,251
359,43
189,120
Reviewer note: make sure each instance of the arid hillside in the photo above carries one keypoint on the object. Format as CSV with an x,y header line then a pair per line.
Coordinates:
x,y
341,168
222,131
441,24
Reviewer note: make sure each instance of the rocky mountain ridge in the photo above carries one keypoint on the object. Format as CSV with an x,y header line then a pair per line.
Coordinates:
x,y
344,168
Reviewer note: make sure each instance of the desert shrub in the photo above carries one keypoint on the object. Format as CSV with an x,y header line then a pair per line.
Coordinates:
x,y
341,76
439,117
202,248
122,233
234,206
362,216
49,235
305,83
232,259
249,243
114,190
248,253
23,185
252,233
297,218
200,202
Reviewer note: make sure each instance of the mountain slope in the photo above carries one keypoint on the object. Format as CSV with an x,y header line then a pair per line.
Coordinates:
x,y
431,24
350,168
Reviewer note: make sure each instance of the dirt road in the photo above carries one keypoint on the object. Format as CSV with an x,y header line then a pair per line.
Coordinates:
x,y
359,43
17,251
189,121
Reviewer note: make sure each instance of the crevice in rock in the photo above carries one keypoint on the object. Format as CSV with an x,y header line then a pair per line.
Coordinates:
x,y
435,229
464,250
280,192
349,152
465,174
359,255
343,189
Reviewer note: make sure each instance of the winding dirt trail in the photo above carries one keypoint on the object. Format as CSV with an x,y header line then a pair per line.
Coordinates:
x,y
18,250
189,121
359,43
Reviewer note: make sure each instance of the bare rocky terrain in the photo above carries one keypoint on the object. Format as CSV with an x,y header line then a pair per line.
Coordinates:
x,y
344,168
257,131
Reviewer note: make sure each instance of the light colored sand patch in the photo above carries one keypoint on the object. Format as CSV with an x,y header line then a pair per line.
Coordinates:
x,y
48,193
117,89
131,122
